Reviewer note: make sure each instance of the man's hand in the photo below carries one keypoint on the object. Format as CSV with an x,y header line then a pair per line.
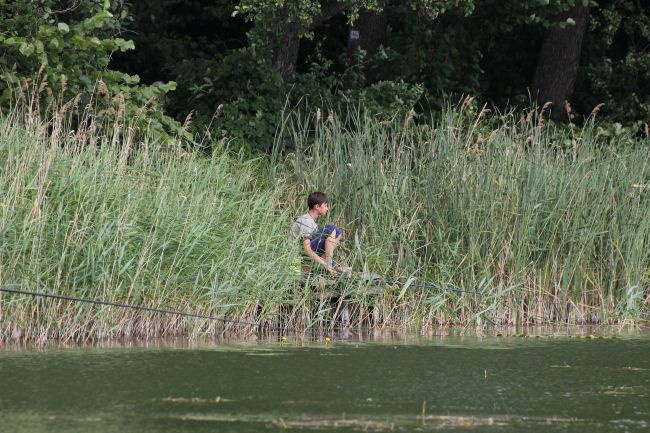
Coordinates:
x,y
345,270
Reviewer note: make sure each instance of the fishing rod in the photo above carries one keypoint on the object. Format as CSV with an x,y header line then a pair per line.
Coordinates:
x,y
138,307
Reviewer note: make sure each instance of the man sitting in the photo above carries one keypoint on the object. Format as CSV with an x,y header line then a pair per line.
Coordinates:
x,y
317,244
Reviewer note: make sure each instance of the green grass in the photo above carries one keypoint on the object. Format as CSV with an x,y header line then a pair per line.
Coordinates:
x,y
523,223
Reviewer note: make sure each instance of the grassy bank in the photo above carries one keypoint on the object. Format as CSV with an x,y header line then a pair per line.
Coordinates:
x,y
513,221
126,221
540,222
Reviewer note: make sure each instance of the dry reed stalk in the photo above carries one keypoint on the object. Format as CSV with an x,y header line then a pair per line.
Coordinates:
x,y
545,107
596,110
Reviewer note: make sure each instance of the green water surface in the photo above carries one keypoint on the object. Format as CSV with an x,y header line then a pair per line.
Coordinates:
x,y
505,384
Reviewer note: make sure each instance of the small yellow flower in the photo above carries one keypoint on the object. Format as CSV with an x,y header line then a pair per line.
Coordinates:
x,y
327,339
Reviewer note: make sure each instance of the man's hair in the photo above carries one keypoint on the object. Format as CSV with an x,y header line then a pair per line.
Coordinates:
x,y
316,198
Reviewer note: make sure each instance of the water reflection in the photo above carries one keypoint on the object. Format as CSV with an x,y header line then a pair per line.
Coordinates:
x,y
536,379
387,336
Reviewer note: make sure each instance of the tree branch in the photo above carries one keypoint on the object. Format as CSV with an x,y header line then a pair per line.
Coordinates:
x,y
328,12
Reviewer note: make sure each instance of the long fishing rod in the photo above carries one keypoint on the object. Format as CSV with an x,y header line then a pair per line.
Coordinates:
x,y
139,307
143,308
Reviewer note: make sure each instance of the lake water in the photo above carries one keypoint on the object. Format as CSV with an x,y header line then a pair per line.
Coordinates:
x,y
452,383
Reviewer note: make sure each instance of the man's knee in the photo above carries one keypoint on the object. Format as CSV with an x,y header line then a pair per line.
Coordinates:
x,y
333,240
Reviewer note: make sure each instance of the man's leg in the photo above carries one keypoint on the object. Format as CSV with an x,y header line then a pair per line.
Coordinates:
x,y
330,245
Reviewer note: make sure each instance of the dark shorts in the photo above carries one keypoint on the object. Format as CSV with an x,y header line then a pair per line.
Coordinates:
x,y
320,236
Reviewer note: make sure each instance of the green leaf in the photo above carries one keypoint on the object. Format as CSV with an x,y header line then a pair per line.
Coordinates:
x,y
130,79
124,45
63,27
101,18
168,86
26,49
405,288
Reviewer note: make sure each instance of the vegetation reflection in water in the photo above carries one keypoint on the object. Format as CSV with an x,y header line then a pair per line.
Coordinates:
x,y
453,383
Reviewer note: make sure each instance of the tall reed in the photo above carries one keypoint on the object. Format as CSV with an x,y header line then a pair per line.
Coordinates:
x,y
508,221
521,222
132,221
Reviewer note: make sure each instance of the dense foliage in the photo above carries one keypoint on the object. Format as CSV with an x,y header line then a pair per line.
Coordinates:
x,y
67,49
235,65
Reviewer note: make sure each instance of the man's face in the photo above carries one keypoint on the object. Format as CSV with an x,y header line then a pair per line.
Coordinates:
x,y
322,208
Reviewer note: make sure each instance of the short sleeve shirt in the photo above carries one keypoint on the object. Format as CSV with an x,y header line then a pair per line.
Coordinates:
x,y
302,228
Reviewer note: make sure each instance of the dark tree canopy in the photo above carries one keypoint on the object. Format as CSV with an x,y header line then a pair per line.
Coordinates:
x,y
246,60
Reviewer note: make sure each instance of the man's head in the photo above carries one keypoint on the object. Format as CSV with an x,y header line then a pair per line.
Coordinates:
x,y
317,201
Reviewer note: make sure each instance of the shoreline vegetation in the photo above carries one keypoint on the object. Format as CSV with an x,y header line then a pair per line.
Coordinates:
x,y
508,220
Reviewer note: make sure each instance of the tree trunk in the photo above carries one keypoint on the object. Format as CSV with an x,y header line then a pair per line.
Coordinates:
x,y
368,33
285,51
287,42
557,65
372,30
372,34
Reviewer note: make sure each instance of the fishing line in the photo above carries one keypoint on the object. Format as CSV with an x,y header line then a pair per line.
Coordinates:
x,y
139,307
